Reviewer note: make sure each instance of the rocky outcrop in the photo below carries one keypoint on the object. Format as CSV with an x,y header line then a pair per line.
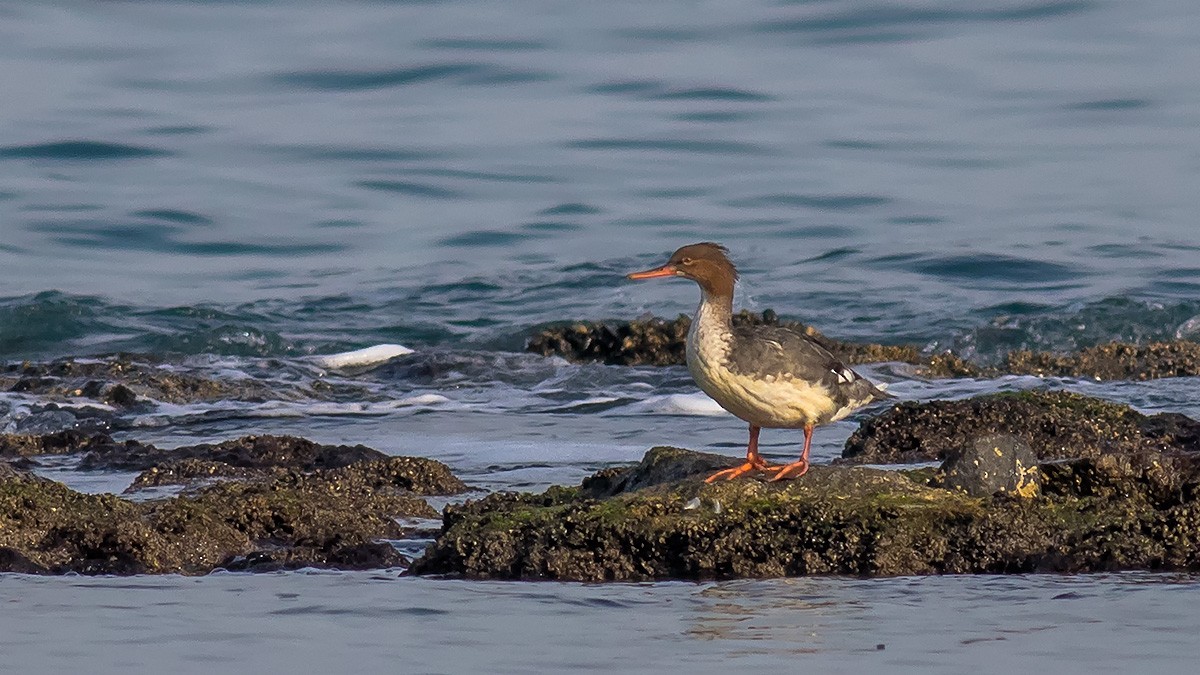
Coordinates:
x,y
1112,512
282,502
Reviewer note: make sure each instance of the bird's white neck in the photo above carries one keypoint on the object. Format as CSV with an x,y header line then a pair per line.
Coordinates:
x,y
711,332
715,312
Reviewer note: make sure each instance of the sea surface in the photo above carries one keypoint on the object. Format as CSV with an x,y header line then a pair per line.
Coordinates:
x,y
244,189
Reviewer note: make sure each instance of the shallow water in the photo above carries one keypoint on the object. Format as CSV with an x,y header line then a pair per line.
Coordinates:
x,y
377,622
237,188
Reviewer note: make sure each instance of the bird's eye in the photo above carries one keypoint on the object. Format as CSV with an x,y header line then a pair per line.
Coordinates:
x,y
686,261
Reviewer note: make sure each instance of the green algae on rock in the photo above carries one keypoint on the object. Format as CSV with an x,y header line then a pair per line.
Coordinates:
x,y
834,520
1055,424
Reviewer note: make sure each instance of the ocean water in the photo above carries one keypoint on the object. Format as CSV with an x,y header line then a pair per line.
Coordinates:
x,y
241,189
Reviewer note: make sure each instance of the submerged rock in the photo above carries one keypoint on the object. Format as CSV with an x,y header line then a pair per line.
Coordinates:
x,y
1138,512
123,380
1055,424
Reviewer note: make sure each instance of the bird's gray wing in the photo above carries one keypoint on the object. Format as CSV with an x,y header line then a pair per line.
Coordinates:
x,y
762,351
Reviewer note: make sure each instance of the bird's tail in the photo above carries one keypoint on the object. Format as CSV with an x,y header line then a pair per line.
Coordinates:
x,y
879,392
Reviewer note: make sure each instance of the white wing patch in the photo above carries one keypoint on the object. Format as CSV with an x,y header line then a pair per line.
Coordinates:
x,y
844,374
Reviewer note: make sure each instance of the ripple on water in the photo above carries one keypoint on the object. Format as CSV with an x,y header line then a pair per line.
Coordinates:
x,y
350,79
483,238
718,94
1111,104
80,150
656,90
904,22
821,202
163,238
995,268
672,145
410,188
173,216
324,153
571,209
487,44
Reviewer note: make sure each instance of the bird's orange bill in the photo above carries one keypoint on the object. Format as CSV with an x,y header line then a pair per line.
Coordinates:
x,y
664,271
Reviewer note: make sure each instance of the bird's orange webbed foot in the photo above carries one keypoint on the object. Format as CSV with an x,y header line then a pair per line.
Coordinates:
x,y
793,470
730,474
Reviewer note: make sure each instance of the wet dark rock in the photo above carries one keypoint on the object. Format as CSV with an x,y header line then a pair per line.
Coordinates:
x,y
122,379
258,452
1055,424
323,517
660,465
1114,512
365,556
276,457
60,443
12,560
995,463
1113,361
120,395
190,471
417,475
661,342
1173,430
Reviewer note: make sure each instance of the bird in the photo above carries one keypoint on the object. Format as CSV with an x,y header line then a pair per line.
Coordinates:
x,y
767,375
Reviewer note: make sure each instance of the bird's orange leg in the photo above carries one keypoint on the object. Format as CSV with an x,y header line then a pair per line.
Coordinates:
x,y
754,461
799,468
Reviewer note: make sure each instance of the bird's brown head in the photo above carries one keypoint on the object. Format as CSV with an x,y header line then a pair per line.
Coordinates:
x,y
705,263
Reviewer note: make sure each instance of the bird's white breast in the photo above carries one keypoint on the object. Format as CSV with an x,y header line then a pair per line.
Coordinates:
x,y
765,401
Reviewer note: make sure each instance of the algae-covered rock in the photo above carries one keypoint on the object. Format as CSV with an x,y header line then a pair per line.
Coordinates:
x,y
1113,361
252,452
60,443
1055,424
833,520
328,517
357,467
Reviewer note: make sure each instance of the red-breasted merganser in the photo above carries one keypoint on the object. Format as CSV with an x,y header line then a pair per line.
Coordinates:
x,y
769,376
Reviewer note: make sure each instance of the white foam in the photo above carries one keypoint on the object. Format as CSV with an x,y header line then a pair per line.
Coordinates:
x,y
167,413
336,409
368,356
681,404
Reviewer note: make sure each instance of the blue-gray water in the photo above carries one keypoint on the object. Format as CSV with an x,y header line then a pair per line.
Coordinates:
x,y
238,187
